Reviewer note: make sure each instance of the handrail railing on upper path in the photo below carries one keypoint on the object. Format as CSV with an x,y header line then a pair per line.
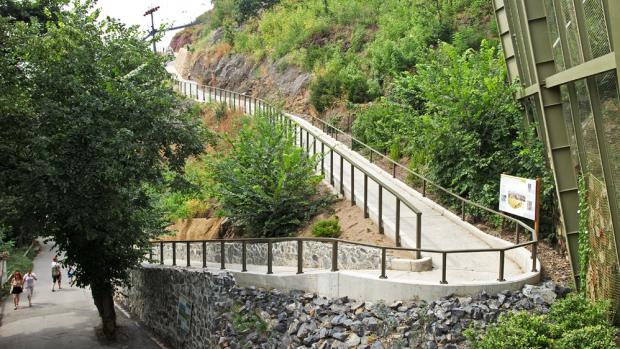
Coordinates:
x,y
334,254
252,105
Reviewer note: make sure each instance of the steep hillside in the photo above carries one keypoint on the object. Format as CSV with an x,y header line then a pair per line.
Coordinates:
x,y
421,81
288,51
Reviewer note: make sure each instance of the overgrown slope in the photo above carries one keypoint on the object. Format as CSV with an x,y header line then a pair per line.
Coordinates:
x,y
422,81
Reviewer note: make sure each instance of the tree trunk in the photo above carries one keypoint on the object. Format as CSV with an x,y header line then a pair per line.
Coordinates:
x,y
103,297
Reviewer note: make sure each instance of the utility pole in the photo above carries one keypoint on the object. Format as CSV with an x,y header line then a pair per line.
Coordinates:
x,y
153,31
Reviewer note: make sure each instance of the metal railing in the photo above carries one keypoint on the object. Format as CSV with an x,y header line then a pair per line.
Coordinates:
x,y
252,105
373,153
334,253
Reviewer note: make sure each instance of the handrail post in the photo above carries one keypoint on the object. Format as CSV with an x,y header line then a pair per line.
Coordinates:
x,y
314,149
444,262
424,188
204,99
301,137
187,254
462,210
365,195
397,222
341,175
418,234
331,167
335,255
300,257
222,255
517,232
534,255
371,156
269,257
244,262
174,253
204,254
393,170
381,231
308,143
352,184
322,159
501,266
161,252
383,262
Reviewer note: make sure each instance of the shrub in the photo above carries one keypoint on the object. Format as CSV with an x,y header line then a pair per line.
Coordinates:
x,y
514,330
327,229
266,185
473,130
572,323
383,125
220,111
590,337
324,91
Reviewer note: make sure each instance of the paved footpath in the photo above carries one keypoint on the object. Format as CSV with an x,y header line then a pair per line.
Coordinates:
x,y
61,319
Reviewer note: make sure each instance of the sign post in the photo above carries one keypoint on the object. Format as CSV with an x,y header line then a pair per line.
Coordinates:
x,y
521,197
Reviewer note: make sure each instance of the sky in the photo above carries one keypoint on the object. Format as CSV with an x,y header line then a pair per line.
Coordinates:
x,y
174,12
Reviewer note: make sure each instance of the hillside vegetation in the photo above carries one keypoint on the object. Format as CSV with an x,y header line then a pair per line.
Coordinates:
x,y
421,81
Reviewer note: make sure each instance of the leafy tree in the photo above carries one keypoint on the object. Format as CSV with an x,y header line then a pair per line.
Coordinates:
x,y
472,128
91,120
267,185
25,10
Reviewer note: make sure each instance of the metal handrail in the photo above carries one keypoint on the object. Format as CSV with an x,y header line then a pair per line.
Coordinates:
x,y
234,99
261,104
425,181
335,242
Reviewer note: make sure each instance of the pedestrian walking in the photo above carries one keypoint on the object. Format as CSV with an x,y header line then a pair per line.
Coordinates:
x,y
56,273
70,274
17,282
29,285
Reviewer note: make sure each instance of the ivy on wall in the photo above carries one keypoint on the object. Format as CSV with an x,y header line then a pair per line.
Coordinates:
x,y
584,243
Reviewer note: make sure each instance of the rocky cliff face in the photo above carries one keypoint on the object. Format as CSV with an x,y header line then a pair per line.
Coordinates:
x,y
218,66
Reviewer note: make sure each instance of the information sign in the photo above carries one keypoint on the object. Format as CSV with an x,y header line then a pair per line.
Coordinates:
x,y
518,196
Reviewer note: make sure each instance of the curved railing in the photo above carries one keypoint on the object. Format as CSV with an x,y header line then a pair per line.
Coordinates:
x,y
252,105
217,92
334,253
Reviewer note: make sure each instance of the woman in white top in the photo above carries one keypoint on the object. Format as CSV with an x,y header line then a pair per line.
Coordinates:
x,y
29,285
55,273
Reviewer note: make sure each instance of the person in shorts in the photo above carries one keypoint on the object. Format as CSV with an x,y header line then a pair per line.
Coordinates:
x,y
56,273
70,274
29,285
17,282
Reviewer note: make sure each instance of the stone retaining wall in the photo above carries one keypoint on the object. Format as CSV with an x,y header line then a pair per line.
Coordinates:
x,y
154,296
315,254
224,315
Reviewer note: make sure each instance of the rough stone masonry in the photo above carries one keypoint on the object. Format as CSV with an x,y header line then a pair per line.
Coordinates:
x,y
226,316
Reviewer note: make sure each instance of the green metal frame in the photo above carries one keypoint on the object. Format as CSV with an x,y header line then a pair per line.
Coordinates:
x,y
524,33
527,28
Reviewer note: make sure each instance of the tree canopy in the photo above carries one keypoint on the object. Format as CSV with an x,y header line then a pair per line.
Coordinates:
x,y
88,119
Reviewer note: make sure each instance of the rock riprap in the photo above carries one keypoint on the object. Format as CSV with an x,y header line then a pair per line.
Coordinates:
x,y
236,317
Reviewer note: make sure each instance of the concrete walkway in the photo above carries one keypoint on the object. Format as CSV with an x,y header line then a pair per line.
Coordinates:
x,y
61,319
441,229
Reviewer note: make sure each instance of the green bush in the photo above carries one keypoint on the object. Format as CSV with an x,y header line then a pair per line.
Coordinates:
x,y
266,185
220,111
327,229
514,331
383,125
590,337
572,323
472,130
325,90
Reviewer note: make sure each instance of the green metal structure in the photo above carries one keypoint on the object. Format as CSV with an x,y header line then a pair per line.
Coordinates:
x,y
565,54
